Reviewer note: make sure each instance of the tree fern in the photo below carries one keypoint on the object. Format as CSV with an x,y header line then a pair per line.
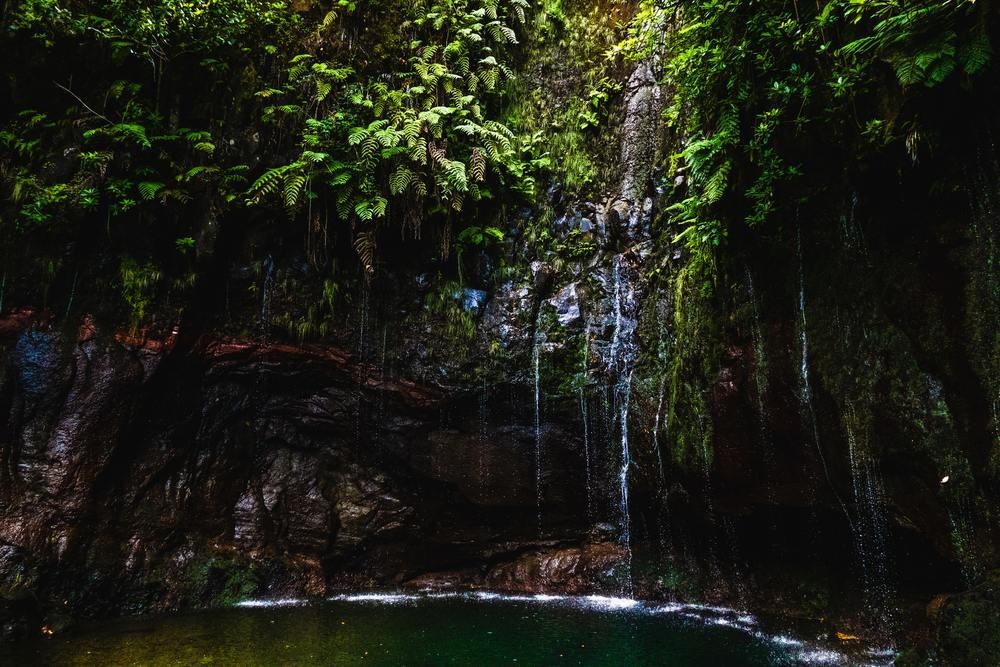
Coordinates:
x,y
149,189
294,186
364,246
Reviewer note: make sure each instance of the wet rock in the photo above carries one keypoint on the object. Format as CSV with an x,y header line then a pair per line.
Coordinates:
x,y
365,508
571,570
566,304
285,506
473,299
459,580
640,131
20,614
541,274
507,317
492,471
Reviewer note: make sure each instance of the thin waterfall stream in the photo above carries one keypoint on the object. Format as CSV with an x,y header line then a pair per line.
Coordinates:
x,y
622,353
536,361
584,418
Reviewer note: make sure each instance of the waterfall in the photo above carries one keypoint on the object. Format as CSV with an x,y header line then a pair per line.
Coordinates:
x,y
960,519
806,397
984,202
870,525
621,357
661,472
363,323
623,394
760,377
584,419
484,433
265,298
536,358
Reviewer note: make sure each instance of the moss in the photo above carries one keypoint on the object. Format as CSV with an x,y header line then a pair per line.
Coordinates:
x,y
969,627
680,580
692,368
569,122
913,657
222,581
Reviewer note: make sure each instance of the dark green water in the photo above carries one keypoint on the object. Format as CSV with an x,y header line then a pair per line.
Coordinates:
x,y
425,631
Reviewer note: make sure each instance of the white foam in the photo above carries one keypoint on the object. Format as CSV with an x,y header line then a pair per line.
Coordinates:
x,y
782,640
281,602
609,603
486,595
376,598
821,657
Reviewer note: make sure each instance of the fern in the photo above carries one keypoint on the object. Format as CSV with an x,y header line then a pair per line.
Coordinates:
x,y
294,185
977,53
364,246
148,189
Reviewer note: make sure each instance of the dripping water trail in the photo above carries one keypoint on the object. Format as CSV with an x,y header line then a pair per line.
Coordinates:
x,y
663,518
871,526
623,394
661,472
585,421
265,299
806,388
621,356
484,406
536,359
761,386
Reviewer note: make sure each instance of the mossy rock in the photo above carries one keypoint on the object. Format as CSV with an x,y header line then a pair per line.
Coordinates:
x,y
221,581
969,626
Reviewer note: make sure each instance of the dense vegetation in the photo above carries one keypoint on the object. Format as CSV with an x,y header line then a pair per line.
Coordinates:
x,y
129,130
126,130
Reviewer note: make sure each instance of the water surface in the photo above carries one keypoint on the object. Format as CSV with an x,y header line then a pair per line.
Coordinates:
x,y
396,629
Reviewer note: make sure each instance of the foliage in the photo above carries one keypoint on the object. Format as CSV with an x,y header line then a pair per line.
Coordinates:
x,y
95,143
125,149
139,283
409,144
751,79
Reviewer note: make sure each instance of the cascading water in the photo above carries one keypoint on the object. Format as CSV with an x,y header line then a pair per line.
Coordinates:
x,y
760,376
585,372
870,526
622,353
267,287
806,387
661,470
484,433
536,362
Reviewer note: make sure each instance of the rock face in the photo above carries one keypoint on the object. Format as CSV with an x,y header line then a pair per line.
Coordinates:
x,y
137,479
